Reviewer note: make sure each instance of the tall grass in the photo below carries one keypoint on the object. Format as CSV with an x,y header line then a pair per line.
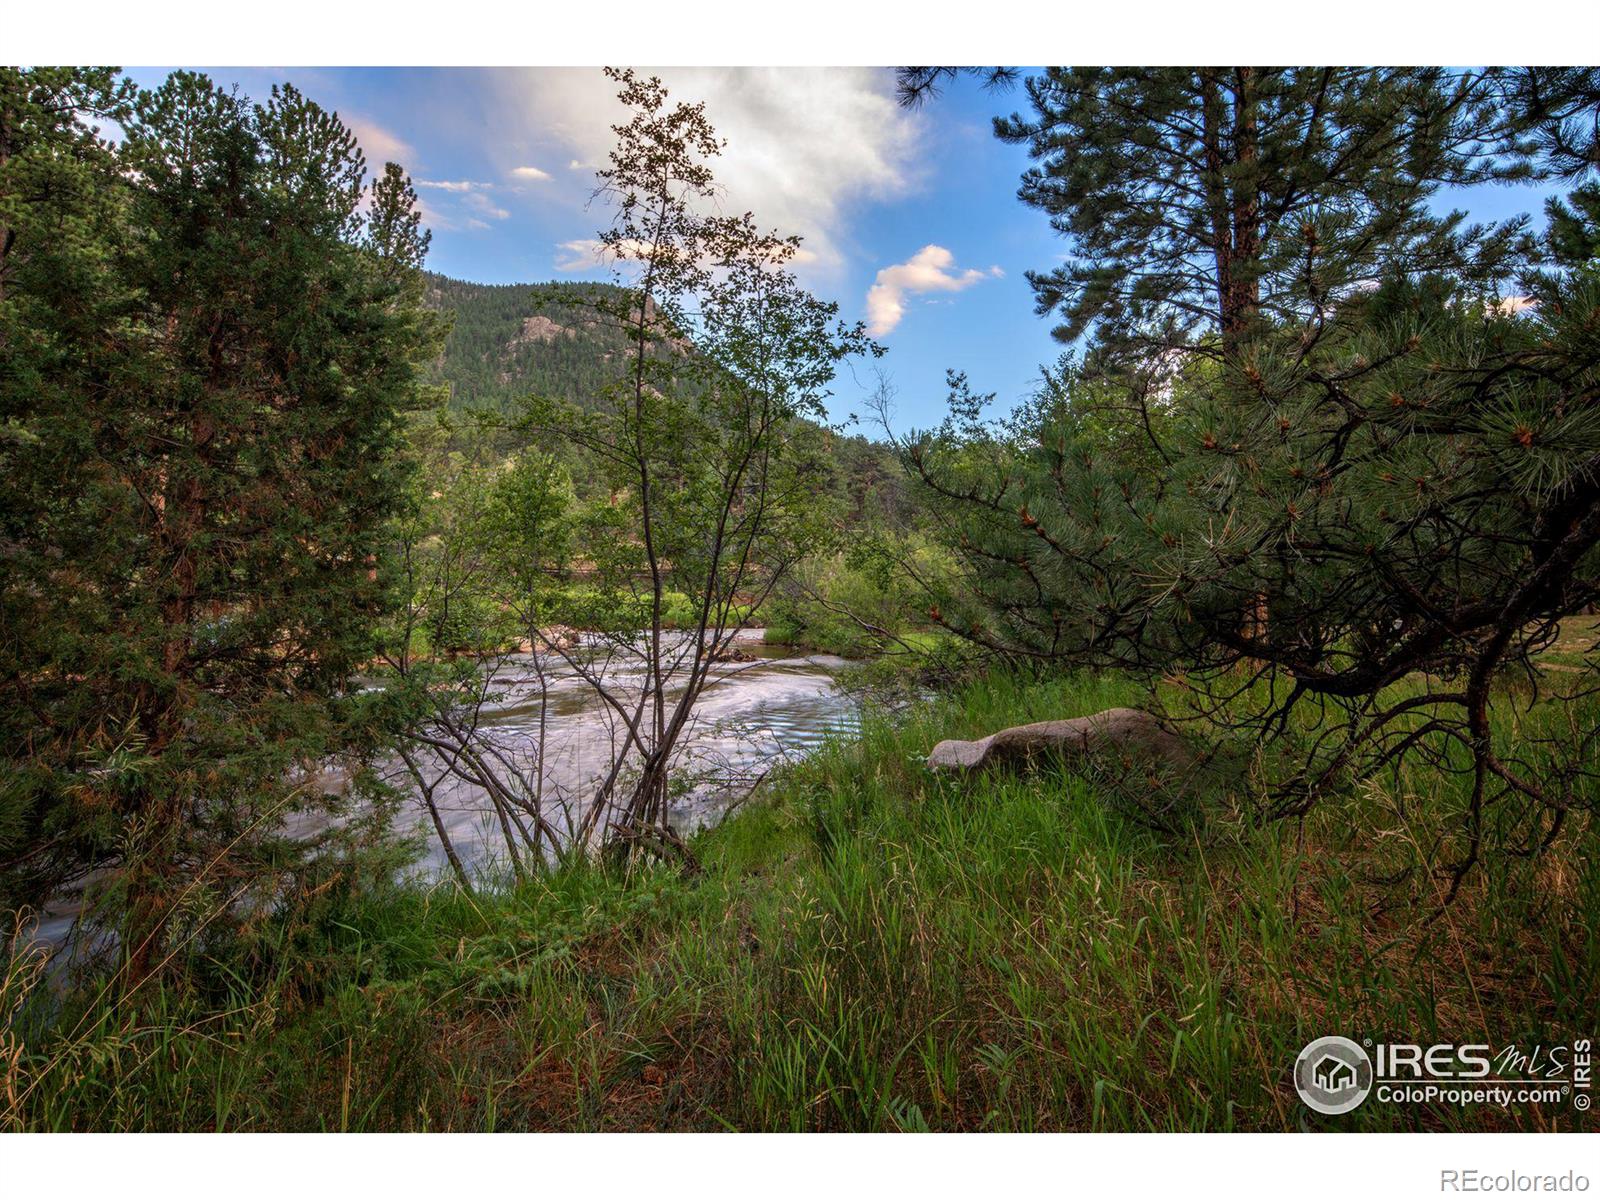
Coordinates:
x,y
869,947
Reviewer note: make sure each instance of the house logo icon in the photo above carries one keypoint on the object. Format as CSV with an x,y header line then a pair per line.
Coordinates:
x,y
1333,1075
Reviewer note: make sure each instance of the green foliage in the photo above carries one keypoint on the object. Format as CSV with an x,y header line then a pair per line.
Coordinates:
x,y
1415,496
203,425
1311,437
1200,200
858,601
1317,518
509,341
707,447
1574,227
59,292
1553,127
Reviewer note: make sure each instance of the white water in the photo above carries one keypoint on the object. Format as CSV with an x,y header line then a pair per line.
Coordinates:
x,y
751,715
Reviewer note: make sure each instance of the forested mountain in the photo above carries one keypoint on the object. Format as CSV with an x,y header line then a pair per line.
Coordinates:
x,y
514,340
510,340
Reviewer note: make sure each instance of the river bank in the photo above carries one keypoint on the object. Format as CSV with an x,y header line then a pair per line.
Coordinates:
x,y
767,703
865,946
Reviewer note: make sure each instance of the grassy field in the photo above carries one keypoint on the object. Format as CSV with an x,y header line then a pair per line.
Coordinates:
x,y
1575,643
867,947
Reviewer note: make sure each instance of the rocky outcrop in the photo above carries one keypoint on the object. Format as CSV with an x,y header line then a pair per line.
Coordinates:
x,y
540,329
1122,732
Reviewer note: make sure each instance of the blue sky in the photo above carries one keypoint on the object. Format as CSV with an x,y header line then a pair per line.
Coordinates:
x,y
910,218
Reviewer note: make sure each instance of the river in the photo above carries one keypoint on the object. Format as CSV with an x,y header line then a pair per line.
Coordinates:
x,y
775,704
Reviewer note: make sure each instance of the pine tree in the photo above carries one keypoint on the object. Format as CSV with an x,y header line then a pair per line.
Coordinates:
x,y
232,486
1556,118
1382,500
1572,232
1199,201
64,313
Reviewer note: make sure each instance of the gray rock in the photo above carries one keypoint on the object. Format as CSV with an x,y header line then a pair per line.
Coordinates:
x,y
1124,732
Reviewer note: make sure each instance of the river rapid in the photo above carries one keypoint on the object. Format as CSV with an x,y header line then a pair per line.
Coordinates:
x,y
772,705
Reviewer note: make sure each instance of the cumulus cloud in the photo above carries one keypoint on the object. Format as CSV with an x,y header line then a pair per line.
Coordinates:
x,y
529,174
930,269
804,145
587,254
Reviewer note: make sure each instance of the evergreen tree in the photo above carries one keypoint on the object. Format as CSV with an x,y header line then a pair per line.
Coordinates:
x,y
232,483
1200,201
1556,118
64,315
1573,230
1555,113
1367,489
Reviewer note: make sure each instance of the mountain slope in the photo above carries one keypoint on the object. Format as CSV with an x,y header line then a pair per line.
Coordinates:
x,y
519,339
512,340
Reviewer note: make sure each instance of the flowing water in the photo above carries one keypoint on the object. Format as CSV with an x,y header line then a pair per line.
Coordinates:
x,y
775,706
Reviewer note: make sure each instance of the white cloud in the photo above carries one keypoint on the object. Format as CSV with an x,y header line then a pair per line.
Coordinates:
x,y
465,204
531,174
454,185
484,206
584,254
928,270
805,145
587,254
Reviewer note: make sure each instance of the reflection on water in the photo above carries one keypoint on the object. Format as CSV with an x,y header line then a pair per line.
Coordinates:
x,y
752,714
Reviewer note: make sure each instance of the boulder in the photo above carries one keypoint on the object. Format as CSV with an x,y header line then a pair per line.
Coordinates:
x,y
1120,732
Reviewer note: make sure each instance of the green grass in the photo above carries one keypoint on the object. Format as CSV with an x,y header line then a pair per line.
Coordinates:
x,y
868,947
851,641
1574,645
